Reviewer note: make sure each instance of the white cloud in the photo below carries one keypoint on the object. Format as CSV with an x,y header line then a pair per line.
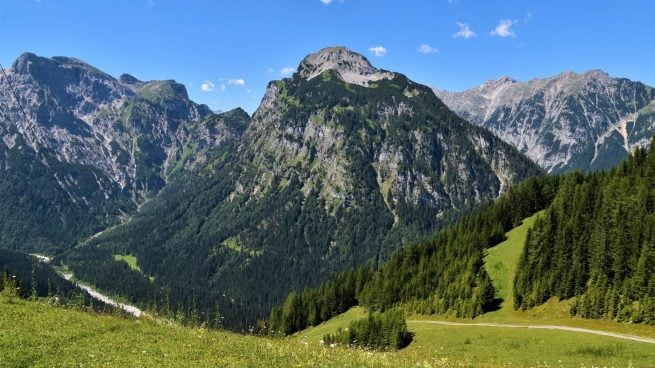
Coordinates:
x,y
207,86
427,49
326,2
287,70
237,82
270,70
378,50
504,29
222,87
464,31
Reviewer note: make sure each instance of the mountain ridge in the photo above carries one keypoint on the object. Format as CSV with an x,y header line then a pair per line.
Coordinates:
x,y
102,145
352,67
571,121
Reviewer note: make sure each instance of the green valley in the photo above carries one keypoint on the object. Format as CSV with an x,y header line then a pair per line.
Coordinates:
x,y
346,215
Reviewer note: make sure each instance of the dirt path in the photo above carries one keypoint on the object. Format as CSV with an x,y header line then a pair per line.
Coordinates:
x,y
542,327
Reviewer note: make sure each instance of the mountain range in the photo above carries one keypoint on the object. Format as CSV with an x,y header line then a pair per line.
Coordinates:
x,y
82,149
341,165
571,121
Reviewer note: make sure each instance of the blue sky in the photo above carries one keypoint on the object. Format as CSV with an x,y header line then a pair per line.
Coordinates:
x,y
233,48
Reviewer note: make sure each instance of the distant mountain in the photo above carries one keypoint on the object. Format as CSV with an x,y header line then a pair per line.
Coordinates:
x,y
80,148
572,121
341,164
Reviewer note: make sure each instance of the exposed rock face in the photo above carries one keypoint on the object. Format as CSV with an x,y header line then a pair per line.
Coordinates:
x,y
127,135
350,66
421,155
571,121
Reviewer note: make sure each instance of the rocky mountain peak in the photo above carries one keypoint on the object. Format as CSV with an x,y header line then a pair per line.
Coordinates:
x,y
597,73
29,63
586,77
163,90
128,79
353,68
491,85
22,63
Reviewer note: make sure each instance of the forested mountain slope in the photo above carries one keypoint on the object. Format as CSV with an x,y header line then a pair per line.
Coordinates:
x,y
30,278
341,165
445,275
593,242
80,148
596,243
571,121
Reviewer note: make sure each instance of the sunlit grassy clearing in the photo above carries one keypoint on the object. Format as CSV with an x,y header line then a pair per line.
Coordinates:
x,y
129,259
501,262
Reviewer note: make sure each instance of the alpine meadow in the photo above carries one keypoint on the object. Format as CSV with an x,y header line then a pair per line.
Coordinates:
x,y
464,184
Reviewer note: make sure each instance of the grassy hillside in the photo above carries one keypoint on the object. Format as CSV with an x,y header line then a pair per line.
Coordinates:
x,y
34,334
526,348
501,262
474,345
315,334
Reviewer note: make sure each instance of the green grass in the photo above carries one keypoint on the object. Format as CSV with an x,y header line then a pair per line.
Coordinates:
x,y
129,259
234,244
496,346
313,335
471,345
515,347
528,348
501,262
35,334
